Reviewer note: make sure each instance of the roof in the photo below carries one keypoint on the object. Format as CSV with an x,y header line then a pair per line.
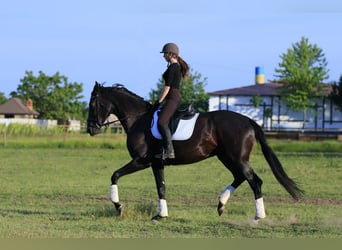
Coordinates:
x,y
16,107
265,89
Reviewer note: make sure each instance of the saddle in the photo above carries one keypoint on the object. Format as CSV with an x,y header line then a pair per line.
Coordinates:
x,y
182,114
181,125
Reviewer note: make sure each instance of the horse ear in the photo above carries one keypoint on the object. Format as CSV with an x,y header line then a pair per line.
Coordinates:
x,y
97,86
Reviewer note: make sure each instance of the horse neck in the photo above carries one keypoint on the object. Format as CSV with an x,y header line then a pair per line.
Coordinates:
x,y
128,109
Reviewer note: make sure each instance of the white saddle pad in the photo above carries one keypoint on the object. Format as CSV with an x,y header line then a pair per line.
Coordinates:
x,y
184,129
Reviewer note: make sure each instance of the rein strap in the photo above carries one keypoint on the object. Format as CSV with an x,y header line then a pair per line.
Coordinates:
x,y
106,124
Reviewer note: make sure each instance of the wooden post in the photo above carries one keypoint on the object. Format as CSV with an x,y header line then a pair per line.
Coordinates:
x,y
4,136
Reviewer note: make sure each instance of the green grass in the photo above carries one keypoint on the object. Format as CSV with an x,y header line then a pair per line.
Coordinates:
x,y
109,141
62,192
330,146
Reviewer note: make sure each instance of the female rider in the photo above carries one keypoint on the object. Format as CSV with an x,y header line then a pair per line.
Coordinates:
x,y
177,68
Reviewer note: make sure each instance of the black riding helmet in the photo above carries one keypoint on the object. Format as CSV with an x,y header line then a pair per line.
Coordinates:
x,y
170,48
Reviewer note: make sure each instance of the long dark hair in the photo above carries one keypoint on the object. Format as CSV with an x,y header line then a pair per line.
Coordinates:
x,y
184,68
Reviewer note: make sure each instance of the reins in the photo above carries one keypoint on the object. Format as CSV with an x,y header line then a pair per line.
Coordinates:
x,y
106,124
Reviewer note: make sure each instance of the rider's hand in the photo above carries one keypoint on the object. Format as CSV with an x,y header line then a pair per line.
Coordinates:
x,y
156,105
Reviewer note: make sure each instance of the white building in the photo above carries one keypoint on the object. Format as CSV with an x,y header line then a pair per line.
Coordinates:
x,y
15,111
271,113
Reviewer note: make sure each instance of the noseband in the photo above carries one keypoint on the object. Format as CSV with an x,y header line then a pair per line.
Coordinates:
x,y
96,121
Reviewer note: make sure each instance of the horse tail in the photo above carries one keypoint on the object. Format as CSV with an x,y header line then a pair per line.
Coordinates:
x,y
290,186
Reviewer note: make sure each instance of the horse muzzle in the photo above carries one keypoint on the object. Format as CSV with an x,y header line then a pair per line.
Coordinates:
x,y
93,128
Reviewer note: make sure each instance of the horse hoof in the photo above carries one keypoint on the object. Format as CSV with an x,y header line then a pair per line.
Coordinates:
x,y
257,218
158,218
119,208
220,209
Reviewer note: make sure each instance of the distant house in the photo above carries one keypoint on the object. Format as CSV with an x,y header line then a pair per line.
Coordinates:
x,y
15,111
14,108
262,103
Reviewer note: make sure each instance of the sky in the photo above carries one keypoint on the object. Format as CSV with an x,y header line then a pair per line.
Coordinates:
x,y
120,41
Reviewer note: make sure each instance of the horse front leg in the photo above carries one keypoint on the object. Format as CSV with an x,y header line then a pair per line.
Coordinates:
x,y
158,172
131,167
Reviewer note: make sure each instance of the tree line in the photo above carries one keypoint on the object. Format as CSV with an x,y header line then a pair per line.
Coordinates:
x,y
302,71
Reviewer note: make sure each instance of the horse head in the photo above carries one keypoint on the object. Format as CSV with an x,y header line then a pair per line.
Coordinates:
x,y
99,110
117,100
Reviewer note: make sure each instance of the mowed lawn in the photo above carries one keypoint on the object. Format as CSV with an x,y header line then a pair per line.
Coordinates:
x,y
63,193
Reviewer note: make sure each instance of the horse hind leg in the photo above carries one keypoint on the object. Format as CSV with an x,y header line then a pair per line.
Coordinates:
x,y
242,171
253,180
255,183
228,192
223,198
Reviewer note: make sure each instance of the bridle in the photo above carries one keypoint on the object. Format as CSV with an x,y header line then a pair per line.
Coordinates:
x,y
106,124
96,122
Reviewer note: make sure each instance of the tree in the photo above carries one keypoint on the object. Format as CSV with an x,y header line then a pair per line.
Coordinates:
x,y
192,91
336,93
53,96
302,70
3,98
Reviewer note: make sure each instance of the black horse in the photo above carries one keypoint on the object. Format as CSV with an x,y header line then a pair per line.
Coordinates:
x,y
228,135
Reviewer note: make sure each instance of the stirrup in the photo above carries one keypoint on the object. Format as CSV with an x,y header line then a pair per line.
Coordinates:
x,y
170,155
158,156
163,155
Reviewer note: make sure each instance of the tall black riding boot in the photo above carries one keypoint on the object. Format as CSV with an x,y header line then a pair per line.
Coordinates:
x,y
167,142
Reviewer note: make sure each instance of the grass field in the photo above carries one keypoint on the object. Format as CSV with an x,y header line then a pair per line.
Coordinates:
x,y
62,191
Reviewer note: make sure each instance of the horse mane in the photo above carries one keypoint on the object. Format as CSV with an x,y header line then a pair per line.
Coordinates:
x,y
122,88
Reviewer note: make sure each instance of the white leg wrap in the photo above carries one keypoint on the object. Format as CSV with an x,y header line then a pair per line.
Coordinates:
x,y
114,193
224,196
260,209
163,208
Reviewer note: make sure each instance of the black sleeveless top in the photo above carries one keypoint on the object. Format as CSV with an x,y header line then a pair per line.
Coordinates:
x,y
172,76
